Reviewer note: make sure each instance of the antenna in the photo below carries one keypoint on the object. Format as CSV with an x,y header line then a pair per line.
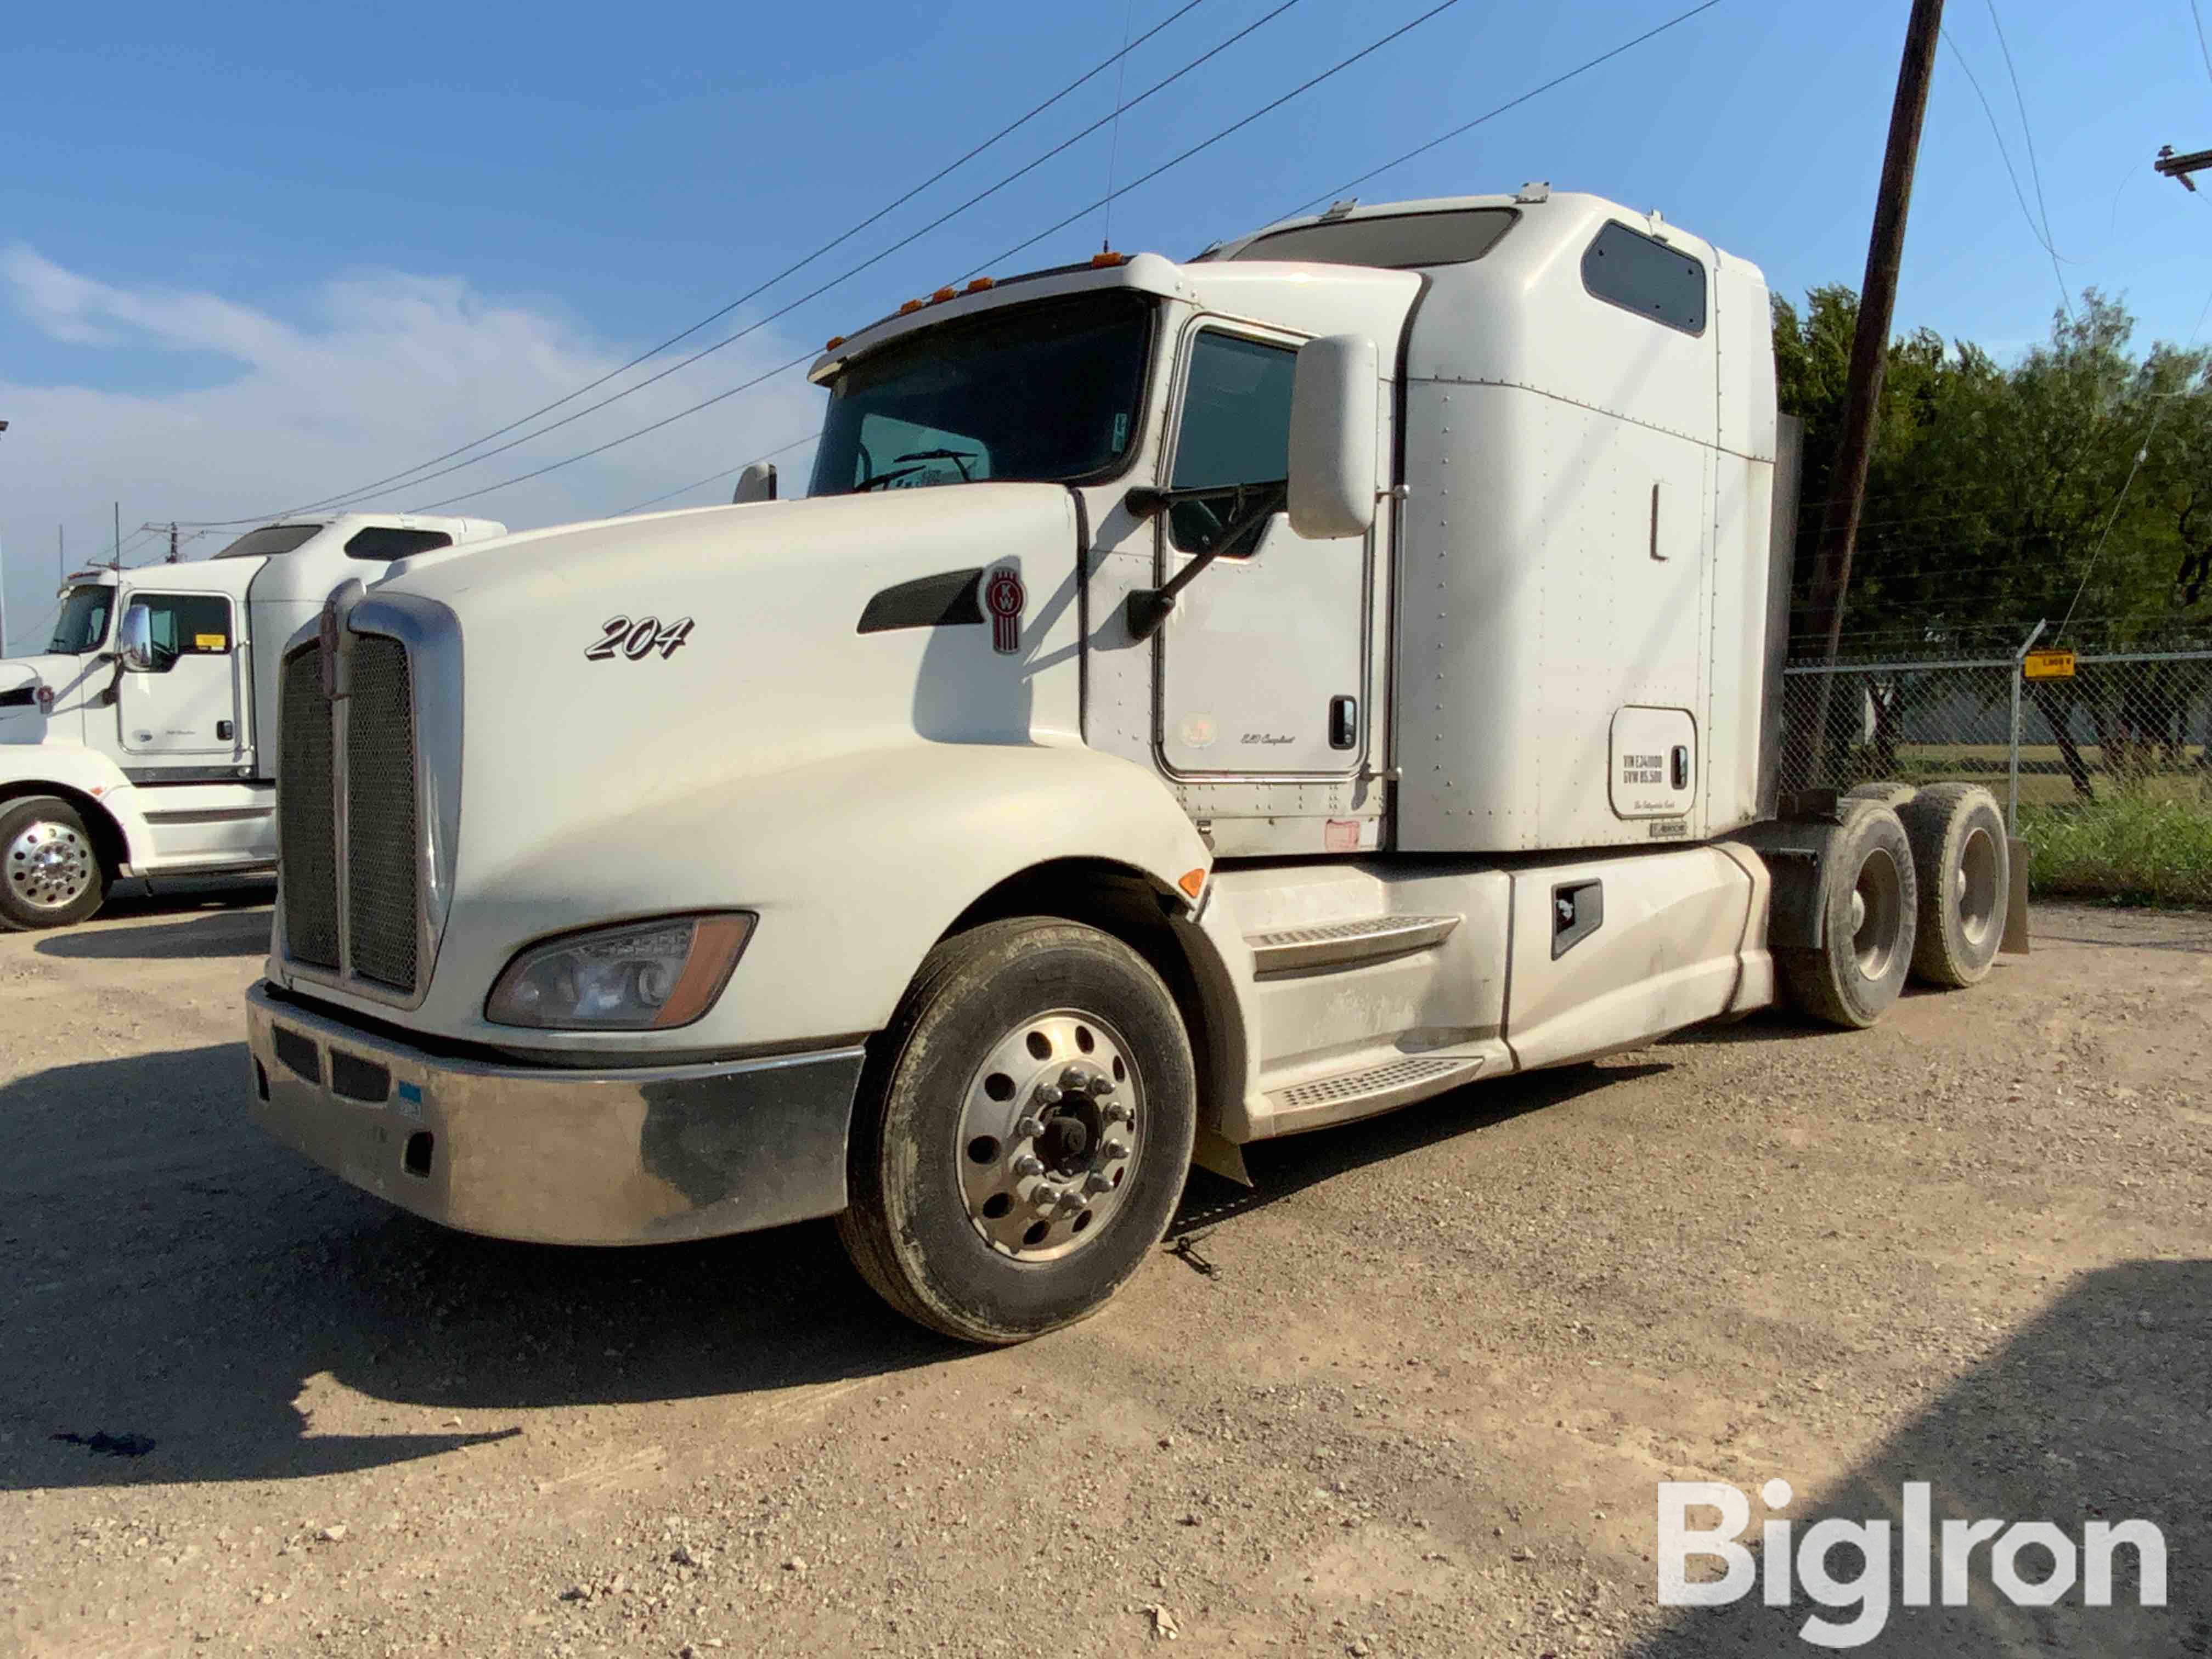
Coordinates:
x,y
1113,144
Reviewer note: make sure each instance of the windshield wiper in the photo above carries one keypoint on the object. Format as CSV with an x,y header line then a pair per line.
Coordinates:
x,y
959,458
883,478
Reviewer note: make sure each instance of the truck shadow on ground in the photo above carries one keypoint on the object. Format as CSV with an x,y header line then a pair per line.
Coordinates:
x,y
189,932
178,1284
2095,1410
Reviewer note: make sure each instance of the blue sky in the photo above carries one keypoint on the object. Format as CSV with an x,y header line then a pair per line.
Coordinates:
x,y
251,254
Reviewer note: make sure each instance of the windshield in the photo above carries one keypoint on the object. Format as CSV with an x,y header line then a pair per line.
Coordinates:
x,y
1048,392
83,624
270,540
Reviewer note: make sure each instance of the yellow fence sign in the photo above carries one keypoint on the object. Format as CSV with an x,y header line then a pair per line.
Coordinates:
x,y
2049,665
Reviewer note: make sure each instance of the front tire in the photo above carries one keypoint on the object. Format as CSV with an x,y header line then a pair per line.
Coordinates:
x,y
1023,1132
50,875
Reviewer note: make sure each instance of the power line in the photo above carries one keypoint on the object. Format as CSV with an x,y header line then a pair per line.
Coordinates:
x,y
2201,46
715,316
727,471
875,259
2065,299
2027,132
1235,126
682,363
1342,65
1469,126
1174,161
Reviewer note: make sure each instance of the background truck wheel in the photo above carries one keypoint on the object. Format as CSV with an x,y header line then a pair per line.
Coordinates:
x,y
1959,860
50,872
1023,1132
1869,902
1890,793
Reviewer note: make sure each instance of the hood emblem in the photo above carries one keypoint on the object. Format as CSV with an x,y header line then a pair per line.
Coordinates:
x,y
1003,597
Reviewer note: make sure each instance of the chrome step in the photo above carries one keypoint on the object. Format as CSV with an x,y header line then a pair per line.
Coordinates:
x,y
1364,1093
1345,944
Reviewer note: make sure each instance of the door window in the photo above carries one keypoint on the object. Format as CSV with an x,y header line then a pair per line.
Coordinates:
x,y
185,625
1236,430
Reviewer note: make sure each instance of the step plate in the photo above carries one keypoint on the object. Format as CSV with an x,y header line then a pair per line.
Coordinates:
x,y
1364,1093
1345,944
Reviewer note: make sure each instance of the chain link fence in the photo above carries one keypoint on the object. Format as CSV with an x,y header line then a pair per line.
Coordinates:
x,y
2105,771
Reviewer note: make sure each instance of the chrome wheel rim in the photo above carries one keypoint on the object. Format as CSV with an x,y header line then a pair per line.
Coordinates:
x,y
48,866
1974,888
1877,915
1050,1132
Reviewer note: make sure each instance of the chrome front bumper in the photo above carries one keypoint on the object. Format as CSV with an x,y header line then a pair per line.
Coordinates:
x,y
629,1157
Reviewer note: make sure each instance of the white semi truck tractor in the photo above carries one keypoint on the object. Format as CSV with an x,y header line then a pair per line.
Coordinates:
x,y
142,741
1196,702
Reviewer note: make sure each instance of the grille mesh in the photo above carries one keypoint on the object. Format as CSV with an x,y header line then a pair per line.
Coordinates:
x,y
307,832
381,832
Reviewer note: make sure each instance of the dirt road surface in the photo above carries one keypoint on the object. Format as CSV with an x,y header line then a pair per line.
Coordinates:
x,y
1414,1397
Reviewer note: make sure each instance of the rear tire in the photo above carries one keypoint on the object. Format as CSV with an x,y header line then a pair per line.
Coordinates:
x,y
1868,901
1890,793
50,875
1959,859
1023,1132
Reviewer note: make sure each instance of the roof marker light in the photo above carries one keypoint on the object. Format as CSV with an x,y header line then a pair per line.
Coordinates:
x,y
941,296
910,307
976,285
833,343
1106,256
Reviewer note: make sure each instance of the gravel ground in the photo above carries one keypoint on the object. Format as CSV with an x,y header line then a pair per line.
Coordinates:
x,y
1411,1396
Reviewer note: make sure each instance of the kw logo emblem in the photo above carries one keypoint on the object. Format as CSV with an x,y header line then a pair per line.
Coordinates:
x,y
1002,598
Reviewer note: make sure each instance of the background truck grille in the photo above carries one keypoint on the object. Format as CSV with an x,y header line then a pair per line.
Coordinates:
x,y
306,816
383,846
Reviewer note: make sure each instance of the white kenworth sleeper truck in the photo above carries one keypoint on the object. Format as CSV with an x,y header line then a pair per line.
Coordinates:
x,y
142,741
1318,675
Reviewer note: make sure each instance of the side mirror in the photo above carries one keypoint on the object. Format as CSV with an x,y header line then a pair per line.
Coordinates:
x,y
138,639
1333,405
755,483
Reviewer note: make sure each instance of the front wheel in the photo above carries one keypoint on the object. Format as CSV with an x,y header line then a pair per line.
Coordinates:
x,y
50,872
1023,1132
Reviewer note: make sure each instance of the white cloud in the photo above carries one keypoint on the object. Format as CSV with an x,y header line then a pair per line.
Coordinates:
x,y
385,371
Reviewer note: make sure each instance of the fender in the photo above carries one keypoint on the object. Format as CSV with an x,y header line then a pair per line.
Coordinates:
x,y
856,866
91,781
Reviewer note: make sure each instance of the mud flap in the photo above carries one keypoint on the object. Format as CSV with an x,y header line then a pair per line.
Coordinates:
x,y
1211,1152
2014,942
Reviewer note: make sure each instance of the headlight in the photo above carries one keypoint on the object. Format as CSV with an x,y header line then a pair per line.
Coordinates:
x,y
644,976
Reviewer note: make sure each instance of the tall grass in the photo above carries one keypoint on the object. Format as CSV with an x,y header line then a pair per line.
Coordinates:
x,y
2137,846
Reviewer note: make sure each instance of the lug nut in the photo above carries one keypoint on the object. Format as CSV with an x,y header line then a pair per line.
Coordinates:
x,y
1045,1197
1115,1149
1029,1128
1101,1084
1072,1078
1098,1183
1027,1165
1069,1203
1118,1112
1047,1094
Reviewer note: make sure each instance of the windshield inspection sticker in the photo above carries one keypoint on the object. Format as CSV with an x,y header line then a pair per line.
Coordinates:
x,y
1002,598
639,640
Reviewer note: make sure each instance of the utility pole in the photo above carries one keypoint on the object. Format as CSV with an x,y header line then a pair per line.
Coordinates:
x,y
2180,167
173,541
1832,573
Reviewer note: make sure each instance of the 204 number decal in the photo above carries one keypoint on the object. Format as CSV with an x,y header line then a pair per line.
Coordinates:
x,y
620,637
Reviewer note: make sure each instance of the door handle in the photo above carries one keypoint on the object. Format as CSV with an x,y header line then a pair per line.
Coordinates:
x,y
1344,722
1681,768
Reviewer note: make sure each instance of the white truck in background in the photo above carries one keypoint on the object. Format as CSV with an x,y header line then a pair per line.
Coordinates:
x,y
1318,675
142,741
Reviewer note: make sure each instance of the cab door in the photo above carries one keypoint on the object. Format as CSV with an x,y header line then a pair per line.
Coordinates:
x,y
1262,661
187,704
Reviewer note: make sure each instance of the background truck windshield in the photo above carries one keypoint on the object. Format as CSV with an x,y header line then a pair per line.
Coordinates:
x,y
1046,393
83,624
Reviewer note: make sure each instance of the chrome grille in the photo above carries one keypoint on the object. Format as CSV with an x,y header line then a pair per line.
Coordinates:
x,y
383,843
307,826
